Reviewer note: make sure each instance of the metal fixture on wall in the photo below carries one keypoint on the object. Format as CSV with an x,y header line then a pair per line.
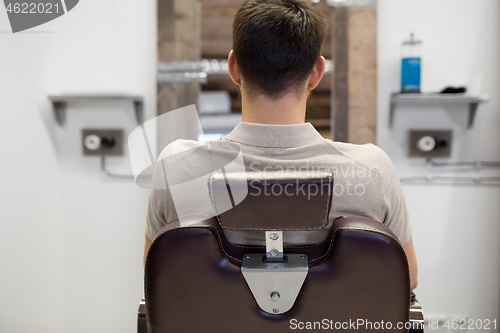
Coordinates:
x,y
456,180
475,164
427,143
451,180
349,3
198,71
108,174
345,3
102,142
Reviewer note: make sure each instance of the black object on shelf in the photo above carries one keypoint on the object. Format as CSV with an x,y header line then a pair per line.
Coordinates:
x,y
454,90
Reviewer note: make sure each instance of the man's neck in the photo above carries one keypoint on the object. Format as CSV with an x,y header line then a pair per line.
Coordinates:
x,y
286,111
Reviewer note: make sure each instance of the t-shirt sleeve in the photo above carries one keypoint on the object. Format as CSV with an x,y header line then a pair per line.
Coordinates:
x,y
396,212
160,207
155,218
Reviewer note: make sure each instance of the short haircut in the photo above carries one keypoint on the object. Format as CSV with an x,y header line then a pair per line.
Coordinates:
x,y
276,44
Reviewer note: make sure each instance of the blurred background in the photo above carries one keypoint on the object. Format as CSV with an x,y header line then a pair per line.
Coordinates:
x,y
72,231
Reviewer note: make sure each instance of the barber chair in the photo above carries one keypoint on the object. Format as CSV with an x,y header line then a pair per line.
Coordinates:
x,y
202,276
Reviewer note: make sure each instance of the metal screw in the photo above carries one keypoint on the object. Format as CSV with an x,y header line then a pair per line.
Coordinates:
x,y
276,310
302,256
247,256
274,252
274,236
275,296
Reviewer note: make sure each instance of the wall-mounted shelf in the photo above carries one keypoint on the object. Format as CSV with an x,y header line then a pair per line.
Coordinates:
x,y
434,98
60,102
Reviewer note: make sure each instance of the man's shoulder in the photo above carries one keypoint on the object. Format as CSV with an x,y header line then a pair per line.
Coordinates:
x,y
365,154
178,146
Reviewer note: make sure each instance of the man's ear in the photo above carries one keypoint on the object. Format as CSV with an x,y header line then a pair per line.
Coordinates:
x,y
317,73
234,70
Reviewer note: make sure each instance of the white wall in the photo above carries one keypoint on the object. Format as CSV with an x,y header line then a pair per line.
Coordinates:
x,y
71,241
456,228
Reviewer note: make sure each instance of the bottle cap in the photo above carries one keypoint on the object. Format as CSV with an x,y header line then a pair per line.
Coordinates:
x,y
412,40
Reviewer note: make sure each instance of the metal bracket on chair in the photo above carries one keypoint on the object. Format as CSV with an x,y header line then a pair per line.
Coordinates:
x,y
141,318
416,316
275,279
274,244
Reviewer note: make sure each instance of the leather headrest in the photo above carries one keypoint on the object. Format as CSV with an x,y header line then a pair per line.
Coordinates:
x,y
294,199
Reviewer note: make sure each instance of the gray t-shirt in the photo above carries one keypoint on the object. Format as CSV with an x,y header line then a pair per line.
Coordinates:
x,y
365,181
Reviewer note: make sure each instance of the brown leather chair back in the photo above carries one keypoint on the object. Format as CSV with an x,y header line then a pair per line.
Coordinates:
x,y
358,276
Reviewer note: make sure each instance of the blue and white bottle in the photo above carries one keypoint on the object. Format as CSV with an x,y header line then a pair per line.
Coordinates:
x,y
411,66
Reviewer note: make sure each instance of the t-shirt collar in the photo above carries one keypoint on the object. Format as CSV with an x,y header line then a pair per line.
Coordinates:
x,y
277,136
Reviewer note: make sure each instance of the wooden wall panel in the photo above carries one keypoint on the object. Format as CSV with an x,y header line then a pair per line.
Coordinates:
x,y
355,78
362,73
340,93
179,39
217,24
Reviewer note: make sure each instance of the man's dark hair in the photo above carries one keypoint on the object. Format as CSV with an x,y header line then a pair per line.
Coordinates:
x,y
276,44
